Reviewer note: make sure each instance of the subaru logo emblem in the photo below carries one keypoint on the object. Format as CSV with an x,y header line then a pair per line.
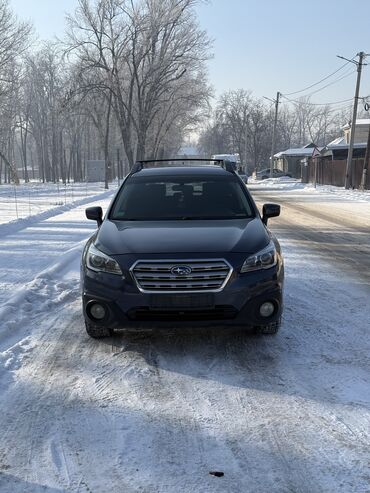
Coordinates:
x,y
181,270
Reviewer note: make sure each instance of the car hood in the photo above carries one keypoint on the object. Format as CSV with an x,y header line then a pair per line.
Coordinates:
x,y
161,237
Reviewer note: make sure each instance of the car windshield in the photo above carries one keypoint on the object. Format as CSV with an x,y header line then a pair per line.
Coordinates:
x,y
181,197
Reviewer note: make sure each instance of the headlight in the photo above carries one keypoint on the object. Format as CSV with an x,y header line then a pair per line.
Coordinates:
x,y
100,262
264,259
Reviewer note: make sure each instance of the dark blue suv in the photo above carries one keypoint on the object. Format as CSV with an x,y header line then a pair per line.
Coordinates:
x,y
182,246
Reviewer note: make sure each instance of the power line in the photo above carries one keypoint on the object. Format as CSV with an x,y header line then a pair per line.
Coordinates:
x,y
319,82
347,74
296,101
343,107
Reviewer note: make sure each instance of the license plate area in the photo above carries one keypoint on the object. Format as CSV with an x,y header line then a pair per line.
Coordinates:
x,y
183,301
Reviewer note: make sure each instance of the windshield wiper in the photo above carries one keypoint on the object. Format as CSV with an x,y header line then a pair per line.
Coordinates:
x,y
125,219
193,218
179,218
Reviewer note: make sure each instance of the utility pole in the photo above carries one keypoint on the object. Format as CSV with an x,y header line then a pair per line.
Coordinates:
x,y
276,101
348,180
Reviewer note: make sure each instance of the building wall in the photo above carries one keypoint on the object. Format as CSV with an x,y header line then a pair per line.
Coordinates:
x,y
290,164
294,166
361,134
95,171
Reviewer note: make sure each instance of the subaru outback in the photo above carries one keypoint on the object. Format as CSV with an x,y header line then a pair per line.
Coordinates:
x,y
182,246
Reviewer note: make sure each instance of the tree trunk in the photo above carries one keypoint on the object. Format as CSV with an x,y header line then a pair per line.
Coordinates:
x,y
106,143
11,168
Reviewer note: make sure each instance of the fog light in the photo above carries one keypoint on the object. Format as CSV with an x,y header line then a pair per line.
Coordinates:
x,y
267,309
97,311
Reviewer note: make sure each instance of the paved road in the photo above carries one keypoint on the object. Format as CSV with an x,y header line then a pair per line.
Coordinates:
x,y
336,229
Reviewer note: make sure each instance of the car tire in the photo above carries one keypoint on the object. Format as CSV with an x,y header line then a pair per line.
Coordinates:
x,y
270,329
264,177
97,332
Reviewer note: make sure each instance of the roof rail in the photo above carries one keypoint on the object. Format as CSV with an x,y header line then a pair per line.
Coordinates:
x,y
229,166
136,167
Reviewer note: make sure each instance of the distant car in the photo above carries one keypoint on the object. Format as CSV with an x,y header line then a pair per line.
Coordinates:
x,y
244,177
265,173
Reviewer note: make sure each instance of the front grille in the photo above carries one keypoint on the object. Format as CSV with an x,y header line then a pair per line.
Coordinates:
x,y
222,312
185,276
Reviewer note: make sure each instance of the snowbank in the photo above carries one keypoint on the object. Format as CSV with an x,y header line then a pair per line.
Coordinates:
x,y
294,184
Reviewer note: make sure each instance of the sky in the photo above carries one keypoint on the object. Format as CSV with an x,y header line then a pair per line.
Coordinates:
x,y
263,45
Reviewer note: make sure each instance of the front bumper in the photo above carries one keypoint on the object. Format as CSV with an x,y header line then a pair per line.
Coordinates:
x,y
237,305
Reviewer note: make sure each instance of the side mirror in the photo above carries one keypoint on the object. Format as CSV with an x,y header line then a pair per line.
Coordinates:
x,y
95,214
270,210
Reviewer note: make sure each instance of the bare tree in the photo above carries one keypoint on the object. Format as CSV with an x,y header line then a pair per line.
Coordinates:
x,y
234,110
13,42
241,125
142,53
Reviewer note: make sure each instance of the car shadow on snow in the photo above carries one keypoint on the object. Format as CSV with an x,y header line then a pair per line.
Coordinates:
x,y
153,444
13,484
131,414
234,357
309,358
125,405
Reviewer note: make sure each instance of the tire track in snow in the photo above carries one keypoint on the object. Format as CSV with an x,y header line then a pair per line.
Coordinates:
x,y
338,236
47,449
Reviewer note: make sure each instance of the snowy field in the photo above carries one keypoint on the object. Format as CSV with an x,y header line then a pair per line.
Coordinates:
x,y
30,199
157,412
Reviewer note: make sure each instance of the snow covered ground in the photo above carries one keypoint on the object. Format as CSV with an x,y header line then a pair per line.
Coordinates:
x,y
34,198
158,412
287,183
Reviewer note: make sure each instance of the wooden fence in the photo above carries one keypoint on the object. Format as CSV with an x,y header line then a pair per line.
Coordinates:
x,y
333,172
